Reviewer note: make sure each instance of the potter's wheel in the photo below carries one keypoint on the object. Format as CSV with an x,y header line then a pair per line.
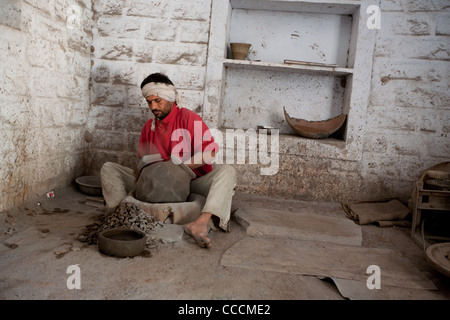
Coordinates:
x,y
438,255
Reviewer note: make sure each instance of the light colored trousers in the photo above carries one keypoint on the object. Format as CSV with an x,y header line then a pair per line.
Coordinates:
x,y
217,187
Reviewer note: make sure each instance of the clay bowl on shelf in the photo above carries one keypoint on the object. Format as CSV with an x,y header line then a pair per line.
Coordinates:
x,y
315,129
122,243
239,50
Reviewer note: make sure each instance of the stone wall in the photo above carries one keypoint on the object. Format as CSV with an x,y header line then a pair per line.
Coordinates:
x,y
408,118
44,88
133,39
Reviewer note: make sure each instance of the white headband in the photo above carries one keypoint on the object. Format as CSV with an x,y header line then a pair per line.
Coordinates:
x,y
162,90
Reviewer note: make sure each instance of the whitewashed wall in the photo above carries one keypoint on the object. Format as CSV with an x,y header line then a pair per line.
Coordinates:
x,y
44,90
57,81
405,128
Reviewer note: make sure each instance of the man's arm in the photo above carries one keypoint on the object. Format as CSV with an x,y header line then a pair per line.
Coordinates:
x,y
200,159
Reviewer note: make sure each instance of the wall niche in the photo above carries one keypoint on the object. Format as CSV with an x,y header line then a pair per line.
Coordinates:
x,y
311,58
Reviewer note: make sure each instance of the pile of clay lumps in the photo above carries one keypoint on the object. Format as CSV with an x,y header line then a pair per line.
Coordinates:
x,y
126,216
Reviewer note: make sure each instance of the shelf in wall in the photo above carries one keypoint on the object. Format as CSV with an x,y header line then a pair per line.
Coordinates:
x,y
319,6
274,66
241,93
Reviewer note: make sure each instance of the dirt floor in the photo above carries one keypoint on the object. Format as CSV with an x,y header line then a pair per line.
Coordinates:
x,y
39,242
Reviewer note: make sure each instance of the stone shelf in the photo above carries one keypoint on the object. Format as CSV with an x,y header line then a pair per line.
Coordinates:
x,y
316,6
258,65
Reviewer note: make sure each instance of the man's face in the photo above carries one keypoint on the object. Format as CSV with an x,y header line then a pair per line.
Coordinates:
x,y
159,106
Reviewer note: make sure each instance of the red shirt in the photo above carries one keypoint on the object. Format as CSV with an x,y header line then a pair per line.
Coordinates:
x,y
181,133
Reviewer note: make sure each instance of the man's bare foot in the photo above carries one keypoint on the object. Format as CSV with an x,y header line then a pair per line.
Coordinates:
x,y
198,229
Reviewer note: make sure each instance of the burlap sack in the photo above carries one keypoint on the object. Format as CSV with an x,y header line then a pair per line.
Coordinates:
x,y
164,182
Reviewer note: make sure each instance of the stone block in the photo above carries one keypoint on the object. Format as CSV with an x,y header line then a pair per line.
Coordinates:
x,y
10,13
72,86
391,117
14,79
185,76
39,26
12,44
129,159
108,95
118,28
71,61
161,30
132,142
13,112
417,24
42,6
113,49
268,223
392,167
54,114
41,53
400,47
443,24
101,72
79,41
143,51
410,93
188,10
149,9
44,84
433,120
435,144
76,118
413,6
193,31
349,166
131,119
135,98
108,7
446,126
110,140
99,157
125,73
177,53
385,70
74,14
102,117
393,142
192,100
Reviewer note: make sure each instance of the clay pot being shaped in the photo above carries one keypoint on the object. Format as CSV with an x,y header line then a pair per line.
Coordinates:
x,y
163,182
239,50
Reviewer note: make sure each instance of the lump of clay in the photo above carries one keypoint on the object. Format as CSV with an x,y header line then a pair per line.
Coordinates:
x,y
163,182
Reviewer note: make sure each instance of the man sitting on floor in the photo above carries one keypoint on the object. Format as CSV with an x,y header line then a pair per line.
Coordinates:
x,y
161,136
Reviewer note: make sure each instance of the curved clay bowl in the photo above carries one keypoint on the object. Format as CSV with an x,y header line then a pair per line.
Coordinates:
x,y
315,129
90,185
122,242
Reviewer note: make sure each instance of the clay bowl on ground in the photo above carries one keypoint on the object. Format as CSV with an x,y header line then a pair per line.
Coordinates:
x,y
90,185
315,129
122,243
